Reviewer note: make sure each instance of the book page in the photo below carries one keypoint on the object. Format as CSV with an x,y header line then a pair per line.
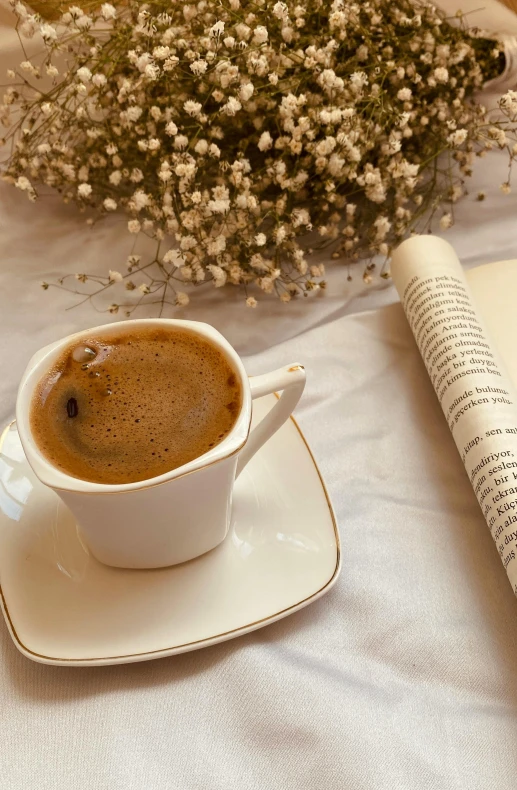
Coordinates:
x,y
476,394
494,288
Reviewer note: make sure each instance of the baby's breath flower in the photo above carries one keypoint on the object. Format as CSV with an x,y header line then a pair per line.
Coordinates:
x,y
201,147
136,175
108,11
404,94
170,63
358,80
132,261
133,113
458,137
140,200
84,190
182,299
192,107
115,277
218,274
180,142
260,34
232,106
251,301
99,80
280,10
23,183
84,74
456,193
499,135
265,142
48,33
441,74
84,22
243,31
446,221
246,91
110,204
170,256
20,9
26,65
161,53
217,29
199,67
509,101
152,71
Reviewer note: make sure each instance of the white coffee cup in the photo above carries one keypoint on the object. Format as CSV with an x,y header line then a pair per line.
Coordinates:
x,y
182,513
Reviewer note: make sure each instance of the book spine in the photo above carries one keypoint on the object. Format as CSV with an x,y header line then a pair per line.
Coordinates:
x,y
477,396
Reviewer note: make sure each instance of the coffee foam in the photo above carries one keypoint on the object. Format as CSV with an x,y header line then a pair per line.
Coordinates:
x,y
144,403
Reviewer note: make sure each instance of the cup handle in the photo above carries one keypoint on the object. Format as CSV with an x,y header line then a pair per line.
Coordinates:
x,y
291,380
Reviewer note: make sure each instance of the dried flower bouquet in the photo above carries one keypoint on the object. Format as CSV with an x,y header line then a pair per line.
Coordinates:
x,y
245,136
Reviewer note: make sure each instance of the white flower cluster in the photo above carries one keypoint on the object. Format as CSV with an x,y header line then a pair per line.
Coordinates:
x,y
242,137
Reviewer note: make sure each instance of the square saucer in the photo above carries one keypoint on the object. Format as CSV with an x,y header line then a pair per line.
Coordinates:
x,y
64,607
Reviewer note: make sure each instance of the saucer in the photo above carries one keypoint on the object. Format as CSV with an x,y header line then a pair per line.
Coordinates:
x,y
64,607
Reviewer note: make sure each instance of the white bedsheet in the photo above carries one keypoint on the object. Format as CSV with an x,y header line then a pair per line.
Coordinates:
x,y
404,676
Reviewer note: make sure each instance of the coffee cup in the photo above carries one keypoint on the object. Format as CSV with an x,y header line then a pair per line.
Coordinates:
x,y
182,513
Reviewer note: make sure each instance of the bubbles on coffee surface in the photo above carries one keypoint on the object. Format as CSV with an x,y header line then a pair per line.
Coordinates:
x,y
83,354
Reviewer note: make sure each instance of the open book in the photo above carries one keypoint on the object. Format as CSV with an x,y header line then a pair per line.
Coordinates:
x,y
465,326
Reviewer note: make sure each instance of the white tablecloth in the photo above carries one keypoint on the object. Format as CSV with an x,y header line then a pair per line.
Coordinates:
x,y
404,676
